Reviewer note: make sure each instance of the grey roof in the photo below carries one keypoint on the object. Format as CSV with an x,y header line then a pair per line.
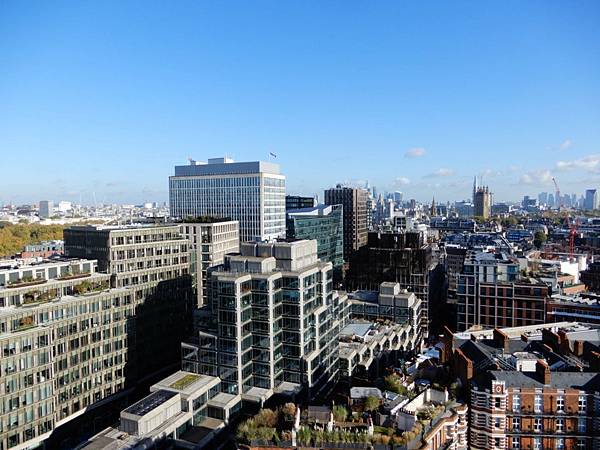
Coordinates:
x,y
358,329
577,380
363,392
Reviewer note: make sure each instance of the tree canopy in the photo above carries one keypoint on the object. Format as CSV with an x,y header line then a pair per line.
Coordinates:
x,y
14,237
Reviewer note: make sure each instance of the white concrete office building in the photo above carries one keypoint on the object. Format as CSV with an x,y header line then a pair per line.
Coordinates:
x,y
252,193
210,240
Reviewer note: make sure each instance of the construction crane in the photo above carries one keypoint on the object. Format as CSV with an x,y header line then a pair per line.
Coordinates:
x,y
558,199
572,226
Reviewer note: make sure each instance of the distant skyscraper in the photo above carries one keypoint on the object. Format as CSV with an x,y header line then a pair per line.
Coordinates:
x,y
483,203
551,200
591,199
398,196
252,193
543,198
46,209
354,201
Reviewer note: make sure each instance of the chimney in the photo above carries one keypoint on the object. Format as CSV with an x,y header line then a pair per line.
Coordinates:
x,y
524,338
578,348
563,342
550,338
501,339
542,371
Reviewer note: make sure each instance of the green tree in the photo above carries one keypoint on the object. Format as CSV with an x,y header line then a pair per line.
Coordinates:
x,y
539,239
371,403
340,413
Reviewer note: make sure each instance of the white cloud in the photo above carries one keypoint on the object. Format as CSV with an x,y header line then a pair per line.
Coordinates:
x,y
415,152
536,177
401,181
566,144
491,173
443,172
590,163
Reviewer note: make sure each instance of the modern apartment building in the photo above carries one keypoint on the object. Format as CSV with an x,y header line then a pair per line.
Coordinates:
x,y
491,293
354,202
73,338
210,240
384,325
325,225
253,193
278,323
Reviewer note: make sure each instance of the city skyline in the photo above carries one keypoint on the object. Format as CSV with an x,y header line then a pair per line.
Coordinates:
x,y
115,100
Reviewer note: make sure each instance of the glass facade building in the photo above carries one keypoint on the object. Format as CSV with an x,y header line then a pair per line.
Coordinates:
x,y
252,193
325,225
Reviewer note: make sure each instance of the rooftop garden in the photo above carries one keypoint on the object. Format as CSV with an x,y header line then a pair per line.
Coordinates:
x,y
184,381
86,287
205,219
276,428
39,296
25,281
74,276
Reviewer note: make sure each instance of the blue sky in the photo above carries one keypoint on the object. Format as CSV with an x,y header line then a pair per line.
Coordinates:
x,y
107,96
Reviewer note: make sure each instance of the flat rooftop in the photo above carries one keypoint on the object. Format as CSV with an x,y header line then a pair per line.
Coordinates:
x,y
185,383
356,329
150,403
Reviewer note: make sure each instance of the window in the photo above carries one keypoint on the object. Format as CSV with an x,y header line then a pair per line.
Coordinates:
x,y
560,425
560,404
560,444
516,442
582,403
538,403
537,443
516,423
497,422
581,443
516,402
581,425
537,424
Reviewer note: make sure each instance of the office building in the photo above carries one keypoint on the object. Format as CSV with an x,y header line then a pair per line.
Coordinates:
x,y
278,323
253,193
46,209
591,200
582,306
325,225
298,202
210,240
398,257
354,202
490,293
74,339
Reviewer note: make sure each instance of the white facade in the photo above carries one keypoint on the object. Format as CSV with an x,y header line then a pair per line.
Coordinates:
x,y
252,193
